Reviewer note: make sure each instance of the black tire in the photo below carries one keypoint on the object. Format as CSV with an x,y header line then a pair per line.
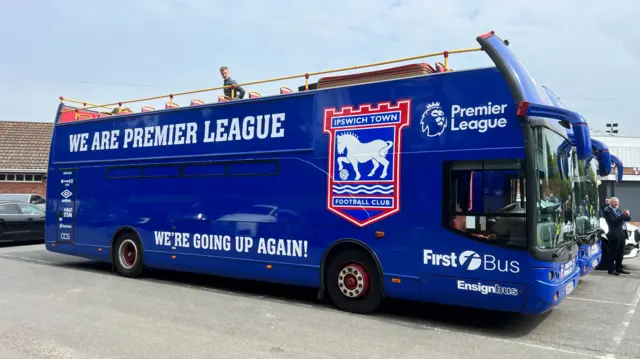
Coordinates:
x,y
358,302
127,255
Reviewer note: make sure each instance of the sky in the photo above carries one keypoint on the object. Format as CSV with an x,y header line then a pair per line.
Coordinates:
x,y
105,51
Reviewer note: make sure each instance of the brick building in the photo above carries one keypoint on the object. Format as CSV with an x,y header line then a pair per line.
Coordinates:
x,y
24,156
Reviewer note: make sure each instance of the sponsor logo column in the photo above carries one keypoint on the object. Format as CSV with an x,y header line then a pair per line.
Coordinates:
x,y
66,207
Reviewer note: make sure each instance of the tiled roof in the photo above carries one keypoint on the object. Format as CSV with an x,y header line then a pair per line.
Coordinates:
x,y
24,145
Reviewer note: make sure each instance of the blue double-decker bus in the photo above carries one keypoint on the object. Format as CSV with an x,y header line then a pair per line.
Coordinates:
x,y
590,235
363,186
586,219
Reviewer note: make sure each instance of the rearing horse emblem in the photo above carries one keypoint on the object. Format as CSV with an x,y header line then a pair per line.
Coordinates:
x,y
364,160
358,152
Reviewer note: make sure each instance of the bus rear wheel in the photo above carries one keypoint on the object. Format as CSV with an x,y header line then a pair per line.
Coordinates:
x,y
353,282
127,255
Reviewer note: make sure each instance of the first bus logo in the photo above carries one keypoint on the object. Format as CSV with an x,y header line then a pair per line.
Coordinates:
x,y
364,160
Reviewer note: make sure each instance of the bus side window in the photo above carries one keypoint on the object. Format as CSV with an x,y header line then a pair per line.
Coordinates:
x,y
485,200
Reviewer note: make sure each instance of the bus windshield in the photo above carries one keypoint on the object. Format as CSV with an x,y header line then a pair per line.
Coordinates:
x,y
556,205
586,196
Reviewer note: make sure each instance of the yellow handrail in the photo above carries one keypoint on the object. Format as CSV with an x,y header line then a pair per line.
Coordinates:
x,y
84,103
305,75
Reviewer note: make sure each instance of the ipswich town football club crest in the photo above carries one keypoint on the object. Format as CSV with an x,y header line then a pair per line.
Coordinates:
x,y
364,160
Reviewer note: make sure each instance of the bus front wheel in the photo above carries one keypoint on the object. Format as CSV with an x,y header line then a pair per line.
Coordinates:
x,y
127,255
353,282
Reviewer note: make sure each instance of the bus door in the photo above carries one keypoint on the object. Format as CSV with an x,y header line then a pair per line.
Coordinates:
x,y
66,206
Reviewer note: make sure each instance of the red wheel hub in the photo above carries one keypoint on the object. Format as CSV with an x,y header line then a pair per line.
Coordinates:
x,y
350,281
128,254
353,281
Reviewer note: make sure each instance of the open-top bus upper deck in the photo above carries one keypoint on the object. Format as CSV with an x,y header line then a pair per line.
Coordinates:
x,y
523,87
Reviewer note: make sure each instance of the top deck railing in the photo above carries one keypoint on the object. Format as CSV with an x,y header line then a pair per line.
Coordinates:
x,y
306,76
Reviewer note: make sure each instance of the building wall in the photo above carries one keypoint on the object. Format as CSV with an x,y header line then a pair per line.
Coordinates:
x,y
24,187
627,149
629,195
627,192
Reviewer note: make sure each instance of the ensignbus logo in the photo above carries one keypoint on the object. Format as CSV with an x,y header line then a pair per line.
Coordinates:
x,y
487,289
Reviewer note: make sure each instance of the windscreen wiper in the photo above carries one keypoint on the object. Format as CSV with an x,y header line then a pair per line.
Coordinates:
x,y
593,235
569,239
582,238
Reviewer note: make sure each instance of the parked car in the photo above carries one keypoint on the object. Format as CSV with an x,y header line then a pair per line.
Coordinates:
x,y
34,199
21,222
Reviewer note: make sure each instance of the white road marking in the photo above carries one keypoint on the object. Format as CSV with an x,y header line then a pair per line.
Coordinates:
x,y
531,345
27,259
625,323
599,301
35,260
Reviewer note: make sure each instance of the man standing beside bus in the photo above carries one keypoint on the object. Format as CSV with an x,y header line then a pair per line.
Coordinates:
x,y
616,220
238,91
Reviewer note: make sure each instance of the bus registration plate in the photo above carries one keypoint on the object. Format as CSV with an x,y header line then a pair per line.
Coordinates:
x,y
569,288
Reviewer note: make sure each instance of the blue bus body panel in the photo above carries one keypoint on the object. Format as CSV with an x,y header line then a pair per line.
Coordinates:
x,y
284,124
542,104
589,256
527,84
230,188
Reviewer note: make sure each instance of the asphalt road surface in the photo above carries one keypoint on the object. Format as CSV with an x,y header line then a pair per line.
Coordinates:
x,y
55,306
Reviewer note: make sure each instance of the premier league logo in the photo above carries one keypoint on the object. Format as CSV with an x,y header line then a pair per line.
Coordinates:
x,y
364,160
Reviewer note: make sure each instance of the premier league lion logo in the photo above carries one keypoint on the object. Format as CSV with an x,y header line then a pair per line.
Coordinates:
x,y
433,120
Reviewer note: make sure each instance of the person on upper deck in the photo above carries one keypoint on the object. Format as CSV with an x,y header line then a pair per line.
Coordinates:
x,y
238,91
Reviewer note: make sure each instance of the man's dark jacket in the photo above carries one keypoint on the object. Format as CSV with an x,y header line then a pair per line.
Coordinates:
x,y
616,224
